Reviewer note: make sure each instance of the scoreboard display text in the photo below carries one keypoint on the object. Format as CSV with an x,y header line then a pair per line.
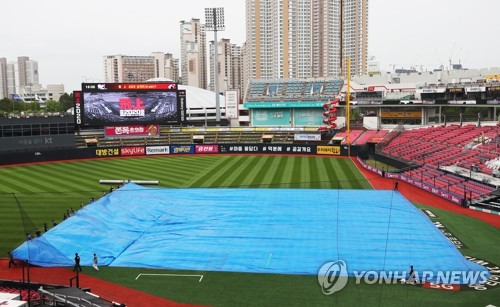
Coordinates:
x,y
120,104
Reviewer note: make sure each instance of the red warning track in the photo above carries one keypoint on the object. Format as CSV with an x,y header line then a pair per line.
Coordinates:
x,y
415,194
105,289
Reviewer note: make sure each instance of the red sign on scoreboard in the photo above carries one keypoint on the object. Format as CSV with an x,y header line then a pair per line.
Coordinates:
x,y
132,130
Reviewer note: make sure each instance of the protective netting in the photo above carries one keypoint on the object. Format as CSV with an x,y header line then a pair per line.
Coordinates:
x,y
290,231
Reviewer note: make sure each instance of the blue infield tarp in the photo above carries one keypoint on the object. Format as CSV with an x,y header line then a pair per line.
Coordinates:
x,y
288,231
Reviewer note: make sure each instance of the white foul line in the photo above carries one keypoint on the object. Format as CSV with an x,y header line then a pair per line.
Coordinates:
x,y
180,275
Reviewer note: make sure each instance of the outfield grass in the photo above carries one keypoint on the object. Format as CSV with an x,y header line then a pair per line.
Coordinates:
x,y
46,191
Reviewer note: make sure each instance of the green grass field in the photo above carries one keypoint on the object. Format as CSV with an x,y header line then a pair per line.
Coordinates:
x,y
46,191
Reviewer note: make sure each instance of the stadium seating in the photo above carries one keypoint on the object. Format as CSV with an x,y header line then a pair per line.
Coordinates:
x,y
449,182
354,135
169,138
448,145
432,147
293,90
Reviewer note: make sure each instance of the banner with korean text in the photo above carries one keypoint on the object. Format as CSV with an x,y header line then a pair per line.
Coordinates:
x,y
132,130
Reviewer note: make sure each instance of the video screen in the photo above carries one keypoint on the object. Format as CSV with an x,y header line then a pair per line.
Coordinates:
x,y
113,105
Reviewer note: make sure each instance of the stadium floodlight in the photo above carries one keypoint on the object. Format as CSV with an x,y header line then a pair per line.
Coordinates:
x,y
214,21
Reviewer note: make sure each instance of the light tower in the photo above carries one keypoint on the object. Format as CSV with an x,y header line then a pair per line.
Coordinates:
x,y
214,21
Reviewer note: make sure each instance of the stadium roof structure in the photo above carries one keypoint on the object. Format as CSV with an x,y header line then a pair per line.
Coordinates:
x,y
197,98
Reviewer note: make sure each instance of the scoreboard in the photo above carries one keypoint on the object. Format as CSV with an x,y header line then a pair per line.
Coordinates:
x,y
119,104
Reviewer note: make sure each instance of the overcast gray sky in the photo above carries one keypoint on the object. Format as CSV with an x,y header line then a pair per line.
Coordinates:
x,y
70,37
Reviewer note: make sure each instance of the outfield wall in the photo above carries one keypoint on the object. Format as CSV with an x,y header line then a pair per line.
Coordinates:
x,y
30,156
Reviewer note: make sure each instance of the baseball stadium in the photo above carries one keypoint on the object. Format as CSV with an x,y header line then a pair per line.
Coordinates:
x,y
314,192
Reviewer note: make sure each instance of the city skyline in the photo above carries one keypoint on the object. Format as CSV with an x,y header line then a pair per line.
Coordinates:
x,y
69,39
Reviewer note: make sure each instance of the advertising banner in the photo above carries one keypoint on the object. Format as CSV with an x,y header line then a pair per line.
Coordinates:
x,y
432,90
200,149
328,150
181,149
157,150
181,95
77,98
37,142
475,89
232,101
424,186
308,117
107,152
268,149
393,114
132,130
133,151
307,137
446,195
271,117
283,104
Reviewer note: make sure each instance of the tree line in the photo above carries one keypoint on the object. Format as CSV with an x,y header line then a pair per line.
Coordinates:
x,y
8,106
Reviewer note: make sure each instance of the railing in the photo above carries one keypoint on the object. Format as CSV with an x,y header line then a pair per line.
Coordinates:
x,y
389,137
77,280
67,299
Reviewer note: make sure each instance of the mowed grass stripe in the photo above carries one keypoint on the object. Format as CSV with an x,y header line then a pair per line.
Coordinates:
x,y
89,173
279,173
36,181
66,181
53,178
16,185
22,180
351,173
138,170
331,165
266,172
238,176
344,173
213,177
309,173
96,170
129,170
61,170
320,174
167,172
180,171
297,181
331,176
286,176
253,172
196,161
206,177
185,164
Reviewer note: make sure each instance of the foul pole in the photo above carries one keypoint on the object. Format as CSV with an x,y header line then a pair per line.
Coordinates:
x,y
348,106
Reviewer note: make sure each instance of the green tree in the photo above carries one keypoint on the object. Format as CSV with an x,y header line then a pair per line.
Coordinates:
x,y
6,105
355,113
33,106
53,106
66,101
